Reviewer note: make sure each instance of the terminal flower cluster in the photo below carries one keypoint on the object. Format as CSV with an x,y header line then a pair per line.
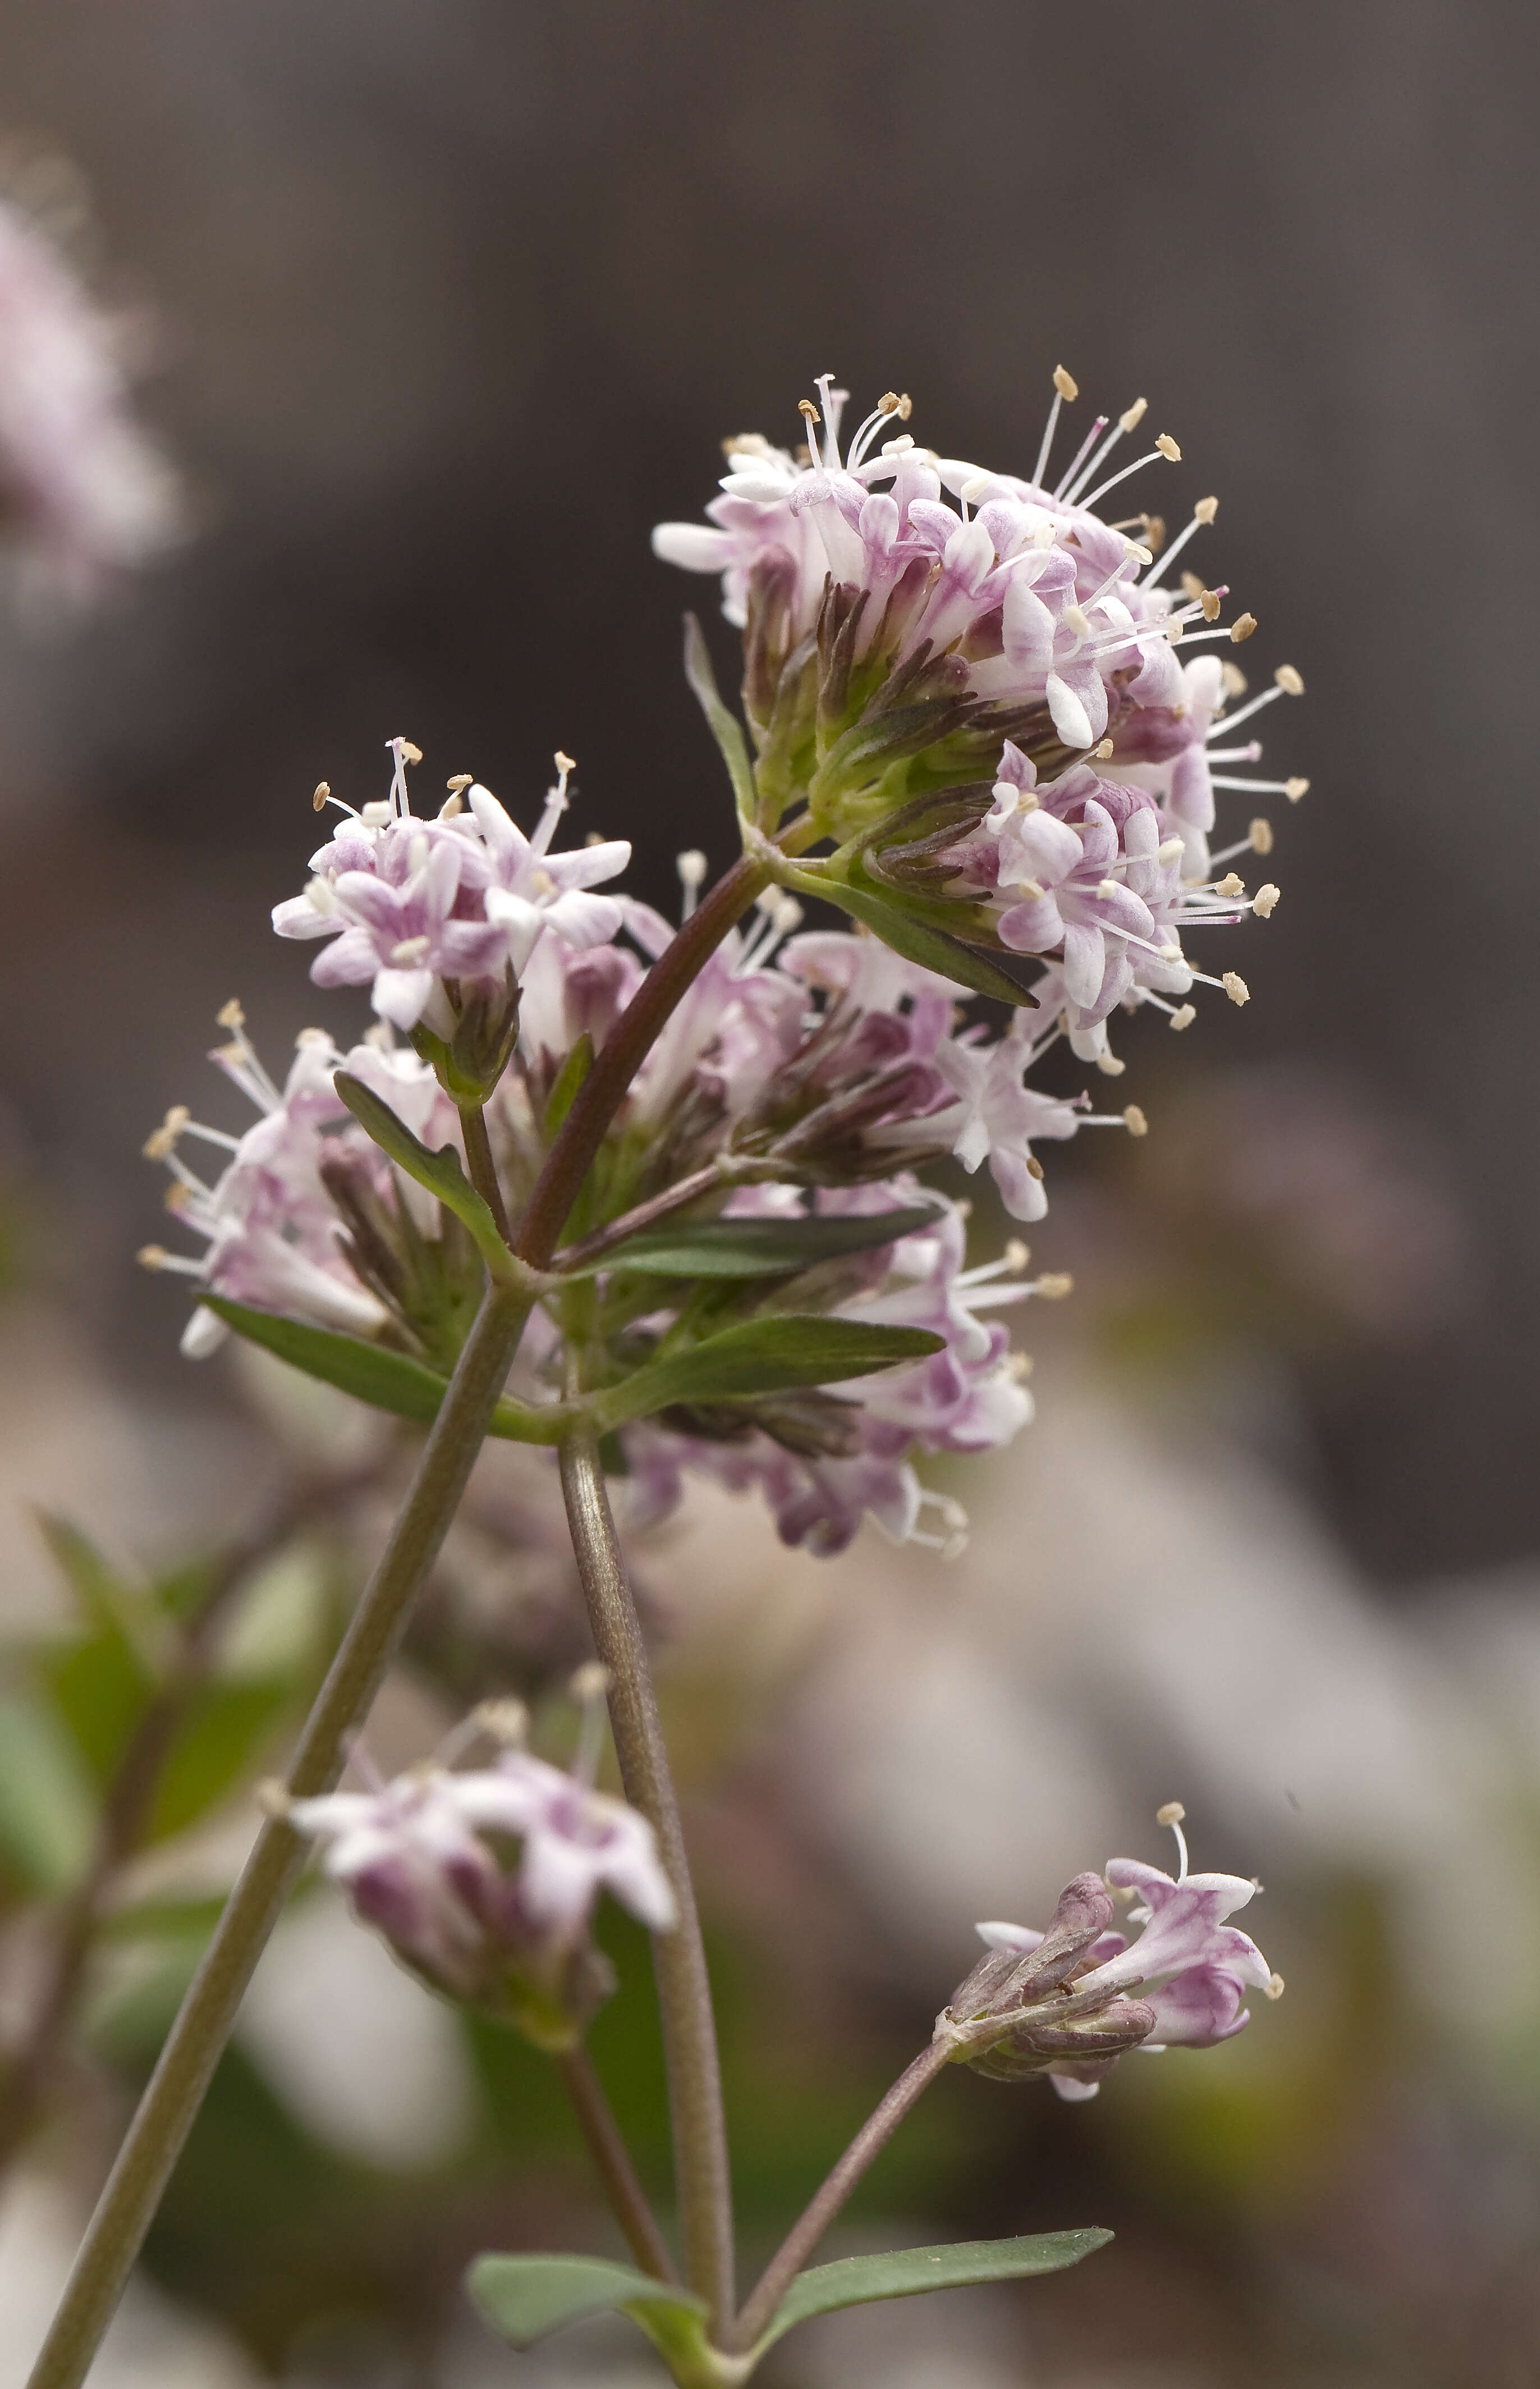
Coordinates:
x,y
484,1881
1069,2001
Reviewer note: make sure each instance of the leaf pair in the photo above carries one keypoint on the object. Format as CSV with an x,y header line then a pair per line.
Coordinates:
x,y
526,2298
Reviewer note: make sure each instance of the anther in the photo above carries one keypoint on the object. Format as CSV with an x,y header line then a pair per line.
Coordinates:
x,y
1106,888
1231,885
409,951
1184,1016
1168,447
1065,383
1273,1988
1174,630
1264,902
1108,1063
460,780
1235,987
409,753
323,791
153,1257
1288,681
1241,628
1173,1813
1259,837
808,410
1134,415
229,1016
564,762
1210,601
589,1682
1170,851
1294,789
691,867
1017,1256
1055,1285
1103,752
1033,1167
376,814
1155,532
1078,620
162,1144
1205,510
1232,679
1134,1120
1018,1365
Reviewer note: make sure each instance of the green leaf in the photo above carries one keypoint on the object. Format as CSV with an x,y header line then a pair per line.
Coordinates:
x,y
48,1800
570,1078
938,950
908,2272
526,2298
390,1381
116,1610
724,725
440,1172
225,1726
761,1356
757,1247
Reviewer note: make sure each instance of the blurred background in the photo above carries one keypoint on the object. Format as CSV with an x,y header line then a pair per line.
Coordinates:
x,y
440,309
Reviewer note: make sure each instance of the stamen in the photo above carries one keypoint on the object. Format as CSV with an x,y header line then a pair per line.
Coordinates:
x,y
1092,435
1264,902
691,867
1127,421
1241,628
156,1257
1184,1017
1172,1815
1064,386
322,797
1164,446
590,1687
1235,987
1135,1121
1204,512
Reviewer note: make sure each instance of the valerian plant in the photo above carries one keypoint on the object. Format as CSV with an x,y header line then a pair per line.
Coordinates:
x,y
654,1197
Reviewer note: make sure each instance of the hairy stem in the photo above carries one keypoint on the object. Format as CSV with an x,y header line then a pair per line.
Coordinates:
x,y
814,2221
622,1053
678,1958
612,2160
176,2090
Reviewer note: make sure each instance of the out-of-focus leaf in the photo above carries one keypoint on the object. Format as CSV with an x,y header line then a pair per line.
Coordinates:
x,y
390,1381
528,2297
223,1729
758,1247
163,1920
47,1801
762,1356
109,1605
908,2272
101,1679
440,1172
570,1077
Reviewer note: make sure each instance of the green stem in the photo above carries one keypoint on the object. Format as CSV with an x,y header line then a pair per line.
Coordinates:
x,y
612,2161
678,1958
175,2091
622,1053
482,1169
810,2225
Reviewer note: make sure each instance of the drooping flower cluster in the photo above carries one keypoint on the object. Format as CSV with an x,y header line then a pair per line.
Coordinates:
x,y
1070,2001
83,492
936,653
484,1881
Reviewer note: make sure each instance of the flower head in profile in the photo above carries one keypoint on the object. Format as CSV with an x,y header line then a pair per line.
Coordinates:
x,y
1069,2001
484,1881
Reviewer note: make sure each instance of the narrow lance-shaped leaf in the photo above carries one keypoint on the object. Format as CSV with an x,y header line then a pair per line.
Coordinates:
x,y
909,2273
528,2297
761,1356
724,725
938,950
388,1381
440,1172
757,1247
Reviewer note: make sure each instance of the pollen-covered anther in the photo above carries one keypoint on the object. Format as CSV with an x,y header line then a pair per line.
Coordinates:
x,y
229,1016
564,762
1264,902
1259,837
1205,510
1078,620
808,410
1168,448
459,780
163,1144
1273,1988
1170,851
1109,887
1065,383
1184,1016
1235,987
1109,1064
1175,629
1138,555
1231,885
691,867
505,1721
411,753
318,802
1017,1256
1134,1120
1291,682
153,1257
1130,419
895,402
1171,1813
591,1681
1232,679
1243,627
1054,1285
1294,789
1103,753
1211,602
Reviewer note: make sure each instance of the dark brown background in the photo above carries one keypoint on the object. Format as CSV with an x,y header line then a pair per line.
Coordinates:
x,y
456,301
